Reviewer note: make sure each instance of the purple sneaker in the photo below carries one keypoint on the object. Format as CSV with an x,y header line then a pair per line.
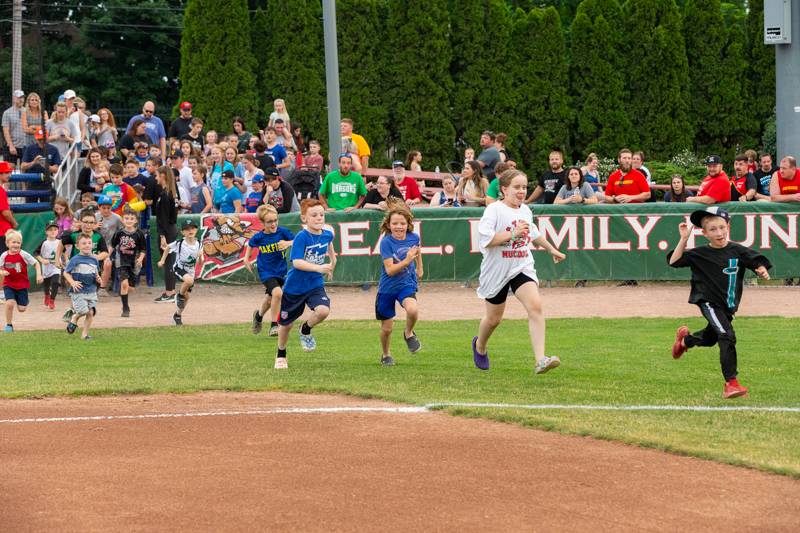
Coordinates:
x,y
481,360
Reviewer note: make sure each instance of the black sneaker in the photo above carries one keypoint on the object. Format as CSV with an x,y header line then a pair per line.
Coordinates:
x,y
180,301
580,283
71,328
788,282
387,360
164,299
177,318
412,342
125,313
256,322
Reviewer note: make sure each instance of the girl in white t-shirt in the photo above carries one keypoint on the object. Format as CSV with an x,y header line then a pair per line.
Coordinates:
x,y
506,232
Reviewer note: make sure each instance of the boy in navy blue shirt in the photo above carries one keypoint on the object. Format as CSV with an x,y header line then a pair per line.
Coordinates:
x,y
271,263
400,271
717,284
83,276
304,284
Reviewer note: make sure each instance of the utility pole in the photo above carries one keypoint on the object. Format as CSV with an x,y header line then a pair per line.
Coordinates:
x,y
782,29
332,81
16,46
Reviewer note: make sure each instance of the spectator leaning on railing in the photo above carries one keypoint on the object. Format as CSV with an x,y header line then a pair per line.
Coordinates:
x,y
716,187
551,181
39,154
13,132
342,190
743,183
764,175
626,185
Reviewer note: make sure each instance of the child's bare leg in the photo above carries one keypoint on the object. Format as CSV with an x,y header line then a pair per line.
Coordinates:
x,y
22,308
124,288
274,304
187,283
319,314
492,317
412,315
386,336
528,295
10,311
283,335
106,274
87,322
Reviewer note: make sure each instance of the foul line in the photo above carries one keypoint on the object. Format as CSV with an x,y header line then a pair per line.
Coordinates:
x,y
697,408
407,410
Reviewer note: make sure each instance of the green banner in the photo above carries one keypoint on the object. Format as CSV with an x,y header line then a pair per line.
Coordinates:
x,y
602,242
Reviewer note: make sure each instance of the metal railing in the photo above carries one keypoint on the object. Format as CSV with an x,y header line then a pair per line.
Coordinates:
x,y
65,181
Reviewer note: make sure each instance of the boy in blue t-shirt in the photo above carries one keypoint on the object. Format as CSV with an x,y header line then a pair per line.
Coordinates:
x,y
255,198
83,276
271,263
400,271
304,284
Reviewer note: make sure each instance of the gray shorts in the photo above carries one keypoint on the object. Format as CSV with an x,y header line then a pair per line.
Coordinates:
x,y
82,303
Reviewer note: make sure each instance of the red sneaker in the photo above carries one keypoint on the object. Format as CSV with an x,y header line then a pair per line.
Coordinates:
x,y
52,304
47,300
678,349
732,389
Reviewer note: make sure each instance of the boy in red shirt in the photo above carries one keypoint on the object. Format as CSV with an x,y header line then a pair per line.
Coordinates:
x,y
716,187
14,273
626,185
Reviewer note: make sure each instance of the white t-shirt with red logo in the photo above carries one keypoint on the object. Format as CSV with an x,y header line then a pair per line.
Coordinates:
x,y
502,263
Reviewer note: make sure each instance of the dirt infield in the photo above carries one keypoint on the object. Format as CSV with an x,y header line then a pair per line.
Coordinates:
x,y
364,471
224,304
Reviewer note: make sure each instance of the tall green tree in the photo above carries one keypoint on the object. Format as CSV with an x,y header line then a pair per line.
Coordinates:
x,y
760,74
540,75
418,97
706,38
598,81
217,63
738,129
294,65
658,77
361,77
484,95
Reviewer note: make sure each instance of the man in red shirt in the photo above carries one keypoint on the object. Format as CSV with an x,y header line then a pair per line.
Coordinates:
x,y
626,185
716,187
407,186
785,183
7,220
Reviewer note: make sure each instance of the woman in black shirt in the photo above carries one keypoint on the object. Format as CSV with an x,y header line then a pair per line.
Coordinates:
x,y
166,214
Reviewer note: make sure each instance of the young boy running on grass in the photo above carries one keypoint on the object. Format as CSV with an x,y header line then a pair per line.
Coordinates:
x,y
188,257
130,245
717,283
271,244
46,255
83,276
14,275
400,271
304,284
506,232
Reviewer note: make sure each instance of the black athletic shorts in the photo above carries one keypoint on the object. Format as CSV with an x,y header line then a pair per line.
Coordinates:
x,y
516,282
270,284
127,272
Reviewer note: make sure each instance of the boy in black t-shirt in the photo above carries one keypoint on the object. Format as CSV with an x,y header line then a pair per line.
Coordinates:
x,y
129,244
717,282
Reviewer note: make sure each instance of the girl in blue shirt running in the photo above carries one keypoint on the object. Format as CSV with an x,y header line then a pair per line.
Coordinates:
x,y
400,272
312,258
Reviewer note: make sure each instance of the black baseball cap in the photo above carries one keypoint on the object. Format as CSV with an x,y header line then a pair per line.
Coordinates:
x,y
228,174
711,211
188,223
51,224
713,160
272,171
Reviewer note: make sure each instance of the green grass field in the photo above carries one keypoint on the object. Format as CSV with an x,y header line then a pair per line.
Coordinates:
x,y
605,362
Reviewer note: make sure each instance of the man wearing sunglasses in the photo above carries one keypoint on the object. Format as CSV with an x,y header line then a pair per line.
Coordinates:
x,y
154,126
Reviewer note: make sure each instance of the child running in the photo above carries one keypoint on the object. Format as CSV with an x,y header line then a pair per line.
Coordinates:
x,y
129,245
271,263
717,283
400,271
14,273
304,284
506,231
46,255
188,257
83,276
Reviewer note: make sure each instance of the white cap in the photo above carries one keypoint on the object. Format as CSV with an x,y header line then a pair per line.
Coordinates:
x,y
95,118
18,93
69,93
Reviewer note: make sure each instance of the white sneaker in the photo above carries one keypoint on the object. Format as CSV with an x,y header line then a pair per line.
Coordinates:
x,y
546,364
281,363
308,343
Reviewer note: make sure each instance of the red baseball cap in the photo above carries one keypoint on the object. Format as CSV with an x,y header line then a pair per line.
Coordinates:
x,y
39,134
186,105
6,168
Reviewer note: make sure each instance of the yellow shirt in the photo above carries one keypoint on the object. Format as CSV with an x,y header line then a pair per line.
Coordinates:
x,y
361,144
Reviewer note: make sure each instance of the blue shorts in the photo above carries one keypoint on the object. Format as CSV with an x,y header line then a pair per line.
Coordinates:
x,y
384,302
293,305
18,295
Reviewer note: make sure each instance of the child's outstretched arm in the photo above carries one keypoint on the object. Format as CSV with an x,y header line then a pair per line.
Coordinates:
x,y
542,242
762,272
39,277
248,263
683,229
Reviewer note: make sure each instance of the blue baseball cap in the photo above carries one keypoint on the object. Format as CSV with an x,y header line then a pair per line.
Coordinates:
x,y
104,200
258,178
